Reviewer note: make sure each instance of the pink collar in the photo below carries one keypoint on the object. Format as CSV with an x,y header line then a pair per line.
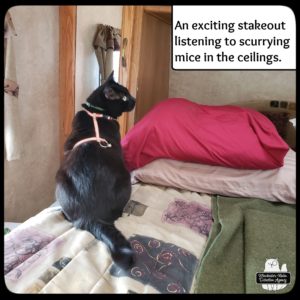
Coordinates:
x,y
102,142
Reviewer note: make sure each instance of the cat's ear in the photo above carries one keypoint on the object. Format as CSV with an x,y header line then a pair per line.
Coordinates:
x,y
110,77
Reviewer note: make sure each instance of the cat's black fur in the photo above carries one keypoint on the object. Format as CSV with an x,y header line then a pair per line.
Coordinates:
x,y
92,183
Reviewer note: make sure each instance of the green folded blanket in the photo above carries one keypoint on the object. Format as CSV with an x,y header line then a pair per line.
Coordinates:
x,y
246,233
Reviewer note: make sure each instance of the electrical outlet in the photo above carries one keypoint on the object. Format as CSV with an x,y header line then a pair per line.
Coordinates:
x,y
292,105
274,103
283,104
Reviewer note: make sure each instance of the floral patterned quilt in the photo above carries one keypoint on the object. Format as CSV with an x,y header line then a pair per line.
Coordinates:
x,y
167,228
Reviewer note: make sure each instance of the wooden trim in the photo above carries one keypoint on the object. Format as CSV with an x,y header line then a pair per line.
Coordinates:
x,y
164,13
67,55
126,32
135,58
165,9
131,29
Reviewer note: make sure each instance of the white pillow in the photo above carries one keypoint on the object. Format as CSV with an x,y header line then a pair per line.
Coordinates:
x,y
272,185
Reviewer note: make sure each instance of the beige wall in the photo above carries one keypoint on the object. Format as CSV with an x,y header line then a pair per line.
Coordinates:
x,y
223,87
29,182
87,70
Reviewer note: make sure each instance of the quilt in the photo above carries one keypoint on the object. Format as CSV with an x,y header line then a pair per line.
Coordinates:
x,y
167,228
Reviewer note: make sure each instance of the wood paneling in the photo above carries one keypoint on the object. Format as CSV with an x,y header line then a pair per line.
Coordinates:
x,y
67,55
131,30
153,79
164,13
128,17
146,75
161,9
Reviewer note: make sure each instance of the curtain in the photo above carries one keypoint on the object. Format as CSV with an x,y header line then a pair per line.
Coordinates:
x,y
107,40
12,134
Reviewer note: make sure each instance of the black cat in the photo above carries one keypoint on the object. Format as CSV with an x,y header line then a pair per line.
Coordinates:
x,y
92,183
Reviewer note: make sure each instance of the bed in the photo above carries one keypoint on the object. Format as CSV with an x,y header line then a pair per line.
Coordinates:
x,y
195,228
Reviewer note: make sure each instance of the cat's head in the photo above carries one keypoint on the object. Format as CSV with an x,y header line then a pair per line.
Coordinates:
x,y
111,98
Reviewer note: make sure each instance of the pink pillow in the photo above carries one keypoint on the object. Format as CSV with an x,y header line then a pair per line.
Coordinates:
x,y
272,185
227,136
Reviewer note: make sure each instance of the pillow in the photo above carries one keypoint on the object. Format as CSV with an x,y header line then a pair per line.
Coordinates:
x,y
227,135
271,185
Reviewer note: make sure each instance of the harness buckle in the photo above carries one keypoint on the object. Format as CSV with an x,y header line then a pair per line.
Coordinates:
x,y
104,144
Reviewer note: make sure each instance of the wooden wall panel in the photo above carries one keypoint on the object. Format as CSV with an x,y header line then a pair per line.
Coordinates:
x,y
67,55
131,30
164,13
126,50
153,78
146,75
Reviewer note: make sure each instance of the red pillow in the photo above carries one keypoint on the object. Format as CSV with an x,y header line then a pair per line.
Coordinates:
x,y
227,135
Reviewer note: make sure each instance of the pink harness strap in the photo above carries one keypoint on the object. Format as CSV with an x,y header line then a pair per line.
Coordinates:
x,y
102,142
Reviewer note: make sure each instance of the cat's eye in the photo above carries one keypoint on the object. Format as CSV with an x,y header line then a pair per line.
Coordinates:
x,y
124,98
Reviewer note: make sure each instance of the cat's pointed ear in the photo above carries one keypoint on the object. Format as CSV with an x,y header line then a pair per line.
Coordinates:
x,y
110,77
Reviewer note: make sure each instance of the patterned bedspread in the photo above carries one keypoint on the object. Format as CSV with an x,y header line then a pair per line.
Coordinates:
x,y
167,228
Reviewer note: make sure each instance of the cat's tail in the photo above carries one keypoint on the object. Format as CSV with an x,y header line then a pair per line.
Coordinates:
x,y
121,251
